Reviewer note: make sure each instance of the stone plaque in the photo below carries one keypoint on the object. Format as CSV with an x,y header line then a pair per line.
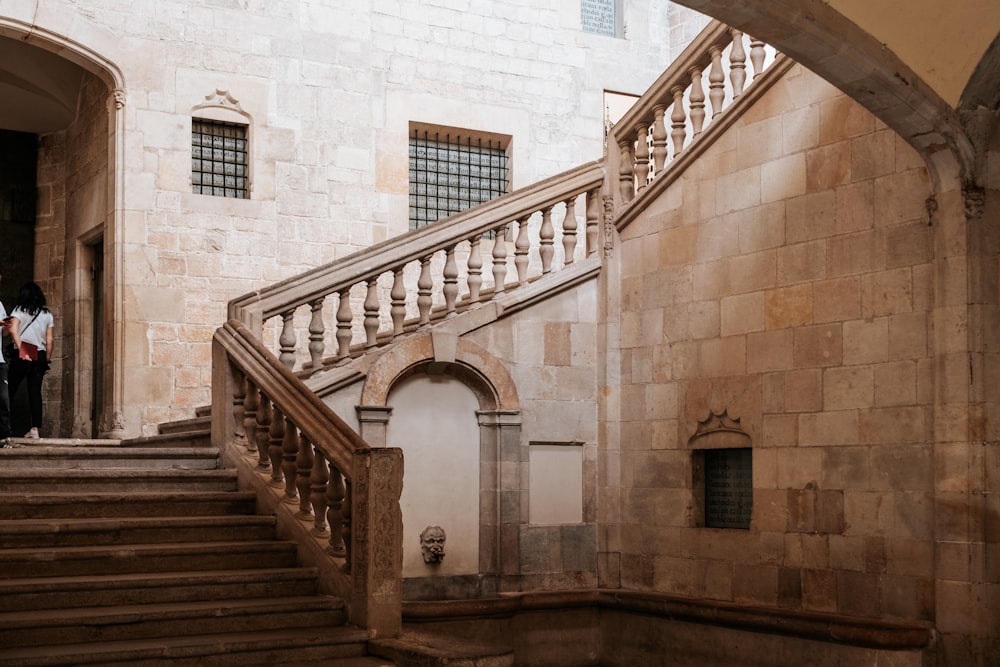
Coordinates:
x,y
598,16
728,488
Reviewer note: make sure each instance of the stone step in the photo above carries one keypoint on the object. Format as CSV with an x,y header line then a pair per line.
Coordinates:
x,y
49,533
125,504
200,423
321,646
108,480
109,458
196,437
136,558
146,621
422,649
155,588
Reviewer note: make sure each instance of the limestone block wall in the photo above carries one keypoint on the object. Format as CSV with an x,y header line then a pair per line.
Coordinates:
x,y
786,278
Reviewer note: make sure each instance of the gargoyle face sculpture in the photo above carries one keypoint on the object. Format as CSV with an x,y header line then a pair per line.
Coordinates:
x,y
432,544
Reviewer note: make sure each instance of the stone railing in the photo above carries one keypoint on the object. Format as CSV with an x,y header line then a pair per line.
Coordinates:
x,y
640,146
347,491
435,271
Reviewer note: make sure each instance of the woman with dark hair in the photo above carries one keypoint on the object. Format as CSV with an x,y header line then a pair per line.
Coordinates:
x,y
32,328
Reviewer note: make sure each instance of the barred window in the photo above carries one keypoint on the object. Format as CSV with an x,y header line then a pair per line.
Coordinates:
x,y
219,158
451,171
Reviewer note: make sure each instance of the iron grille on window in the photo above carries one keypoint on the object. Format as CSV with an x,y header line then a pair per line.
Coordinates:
x,y
451,173
219,158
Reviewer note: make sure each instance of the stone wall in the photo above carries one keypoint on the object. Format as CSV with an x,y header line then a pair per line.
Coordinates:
x,y
785,279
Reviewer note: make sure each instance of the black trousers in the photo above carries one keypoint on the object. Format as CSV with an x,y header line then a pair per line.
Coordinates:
x,y
34,371
4,403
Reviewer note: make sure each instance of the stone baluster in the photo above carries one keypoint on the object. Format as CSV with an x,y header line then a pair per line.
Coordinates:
x,y
398,296
737,64
251,403
475,266
287,339
450,276
344,319
319,477
264,415
239,398
522,245
659,139
500,259
716,82
626,179
303,478
346,514
546,234
372,307
641,168
335,513
424,286
317,330
696,101
569,231
593,220
677,120
276,438
757,55
289,462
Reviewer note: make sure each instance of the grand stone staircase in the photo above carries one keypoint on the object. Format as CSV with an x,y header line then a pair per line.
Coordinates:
x,y
144,552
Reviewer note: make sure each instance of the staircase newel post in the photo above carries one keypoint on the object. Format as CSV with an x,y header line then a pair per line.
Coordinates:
x,y
289,456
303,478
377,540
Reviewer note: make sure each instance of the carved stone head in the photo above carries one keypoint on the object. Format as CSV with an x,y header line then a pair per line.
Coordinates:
x,y
432,544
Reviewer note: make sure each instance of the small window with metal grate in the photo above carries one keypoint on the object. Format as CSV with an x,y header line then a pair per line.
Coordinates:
x,y
453,170
219,158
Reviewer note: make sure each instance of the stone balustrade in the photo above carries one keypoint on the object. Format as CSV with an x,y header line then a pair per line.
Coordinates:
x,y
716,60
346,490
431,272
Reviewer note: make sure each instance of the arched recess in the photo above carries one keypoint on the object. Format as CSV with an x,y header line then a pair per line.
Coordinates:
x,y
104,231
823,40
499,429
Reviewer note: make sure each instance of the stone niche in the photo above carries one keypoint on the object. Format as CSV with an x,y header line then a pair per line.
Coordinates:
x,y
722,473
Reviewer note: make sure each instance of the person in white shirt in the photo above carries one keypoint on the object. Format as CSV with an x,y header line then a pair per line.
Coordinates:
x,y
32,327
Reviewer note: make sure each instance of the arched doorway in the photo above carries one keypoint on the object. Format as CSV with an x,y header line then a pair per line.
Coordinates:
x,y
59,210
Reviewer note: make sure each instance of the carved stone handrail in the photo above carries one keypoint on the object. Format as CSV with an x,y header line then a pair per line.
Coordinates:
x,y
347,490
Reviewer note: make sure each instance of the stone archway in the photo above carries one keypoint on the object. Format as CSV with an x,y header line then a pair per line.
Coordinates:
x,y
71,98
459,367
